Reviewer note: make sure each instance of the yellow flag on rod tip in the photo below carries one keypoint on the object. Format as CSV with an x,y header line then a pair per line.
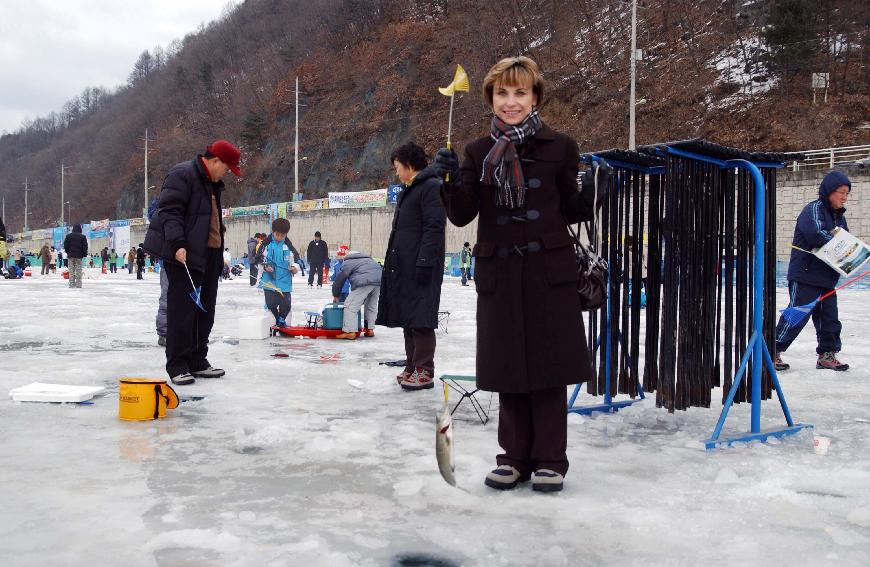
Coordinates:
x,y
459,84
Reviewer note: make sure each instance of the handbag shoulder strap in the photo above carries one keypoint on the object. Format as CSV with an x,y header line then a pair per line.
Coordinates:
x,y
591,228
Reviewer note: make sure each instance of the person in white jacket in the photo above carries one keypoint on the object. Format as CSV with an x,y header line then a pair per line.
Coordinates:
x,y
228,258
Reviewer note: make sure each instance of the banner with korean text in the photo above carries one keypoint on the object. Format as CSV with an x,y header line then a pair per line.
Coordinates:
x,y
358,200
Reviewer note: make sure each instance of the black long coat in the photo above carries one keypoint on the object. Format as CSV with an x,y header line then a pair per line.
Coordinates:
x,y
183,215
530,334
416,240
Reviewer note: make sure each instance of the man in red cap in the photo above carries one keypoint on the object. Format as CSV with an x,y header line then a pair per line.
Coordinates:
x,y
188,233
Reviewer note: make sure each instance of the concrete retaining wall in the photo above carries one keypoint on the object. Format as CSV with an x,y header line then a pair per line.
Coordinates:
x,y
797,188
367,230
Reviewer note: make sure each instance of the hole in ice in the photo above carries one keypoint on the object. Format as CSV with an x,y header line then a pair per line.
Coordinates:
x,y
422,560
250,450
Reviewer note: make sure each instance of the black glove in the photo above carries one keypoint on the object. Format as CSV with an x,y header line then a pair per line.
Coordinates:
x,y
423,274
446,163
588,182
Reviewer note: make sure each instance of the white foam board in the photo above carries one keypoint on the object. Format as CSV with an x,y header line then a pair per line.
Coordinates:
x,y
41,392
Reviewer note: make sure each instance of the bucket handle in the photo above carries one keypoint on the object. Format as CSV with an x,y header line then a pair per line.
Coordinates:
x,y
158,393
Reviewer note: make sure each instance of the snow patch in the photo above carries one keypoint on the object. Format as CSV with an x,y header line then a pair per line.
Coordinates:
x,y
741,64
845,536
859,517
727,476
220,541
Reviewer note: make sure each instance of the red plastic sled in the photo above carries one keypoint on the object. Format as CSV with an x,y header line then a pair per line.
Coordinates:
x,y
309,332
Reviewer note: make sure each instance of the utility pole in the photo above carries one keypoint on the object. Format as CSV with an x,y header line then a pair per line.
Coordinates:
x,y
61,193
62,201
25,204
296,151
145,203
145,187
631,104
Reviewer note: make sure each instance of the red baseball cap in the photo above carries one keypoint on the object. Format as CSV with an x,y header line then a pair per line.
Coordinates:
x,y
227,153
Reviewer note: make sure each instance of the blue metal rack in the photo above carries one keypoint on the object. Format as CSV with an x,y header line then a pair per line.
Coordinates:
x,y
610,406
756,347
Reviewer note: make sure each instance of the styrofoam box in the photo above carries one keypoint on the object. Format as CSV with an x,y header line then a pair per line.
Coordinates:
x,y
40,392
255,328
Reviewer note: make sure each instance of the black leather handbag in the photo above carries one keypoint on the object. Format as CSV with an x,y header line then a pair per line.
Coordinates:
x,y
591,274
592,269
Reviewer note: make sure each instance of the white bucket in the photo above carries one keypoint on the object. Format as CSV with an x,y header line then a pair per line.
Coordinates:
x,y
255,328
821,444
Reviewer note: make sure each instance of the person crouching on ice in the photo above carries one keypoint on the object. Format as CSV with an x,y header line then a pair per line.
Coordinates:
x,y
364,275
276,257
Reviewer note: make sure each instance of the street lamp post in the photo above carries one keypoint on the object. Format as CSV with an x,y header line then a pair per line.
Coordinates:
x,y
68,210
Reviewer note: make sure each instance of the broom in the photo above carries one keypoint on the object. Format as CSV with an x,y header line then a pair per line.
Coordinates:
x,y
793,315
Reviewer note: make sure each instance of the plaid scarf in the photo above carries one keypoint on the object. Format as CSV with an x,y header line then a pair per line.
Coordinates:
x,y
501,167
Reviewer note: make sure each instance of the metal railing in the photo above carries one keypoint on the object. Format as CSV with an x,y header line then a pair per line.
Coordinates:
x,y
828,158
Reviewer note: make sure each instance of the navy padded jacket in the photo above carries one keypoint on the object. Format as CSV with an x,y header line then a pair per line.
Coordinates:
x,y
812,230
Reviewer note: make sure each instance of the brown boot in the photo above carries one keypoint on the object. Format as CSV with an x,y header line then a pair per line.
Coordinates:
x,y
403,376
348,336
370,332
828,361
420,379
779,365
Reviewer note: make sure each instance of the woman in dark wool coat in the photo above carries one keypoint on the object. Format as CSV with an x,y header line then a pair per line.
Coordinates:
x,y
414,265
521,179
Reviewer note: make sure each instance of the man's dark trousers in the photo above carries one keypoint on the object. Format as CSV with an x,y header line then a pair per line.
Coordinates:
x,y
315,271
278,303
187,326
253,275
825,319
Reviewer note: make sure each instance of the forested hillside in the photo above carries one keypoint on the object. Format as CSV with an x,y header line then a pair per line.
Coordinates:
x,y
735,71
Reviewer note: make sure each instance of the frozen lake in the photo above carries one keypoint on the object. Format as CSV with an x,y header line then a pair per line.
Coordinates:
x,y
305,461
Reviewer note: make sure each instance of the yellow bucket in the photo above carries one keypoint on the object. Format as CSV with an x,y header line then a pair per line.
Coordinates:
x,y
142,399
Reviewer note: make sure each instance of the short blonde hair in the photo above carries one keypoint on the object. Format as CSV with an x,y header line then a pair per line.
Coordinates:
x,y
514,72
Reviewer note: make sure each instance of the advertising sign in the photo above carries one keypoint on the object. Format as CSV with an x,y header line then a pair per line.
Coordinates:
x,y
393,192
249,211
358,200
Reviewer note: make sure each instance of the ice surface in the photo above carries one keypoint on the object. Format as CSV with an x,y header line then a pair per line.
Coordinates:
x,y
306,461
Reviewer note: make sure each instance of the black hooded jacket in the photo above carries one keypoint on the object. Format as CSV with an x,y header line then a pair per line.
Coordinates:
x,y
183,215
75,243
416,241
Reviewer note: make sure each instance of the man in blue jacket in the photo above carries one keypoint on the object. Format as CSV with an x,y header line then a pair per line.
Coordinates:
x,y
809,277
187,232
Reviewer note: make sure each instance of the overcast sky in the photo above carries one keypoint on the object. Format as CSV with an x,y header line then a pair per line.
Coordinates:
x,y
50,50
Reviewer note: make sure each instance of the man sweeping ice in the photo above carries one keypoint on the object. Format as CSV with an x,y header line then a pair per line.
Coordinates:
x,y
809,278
